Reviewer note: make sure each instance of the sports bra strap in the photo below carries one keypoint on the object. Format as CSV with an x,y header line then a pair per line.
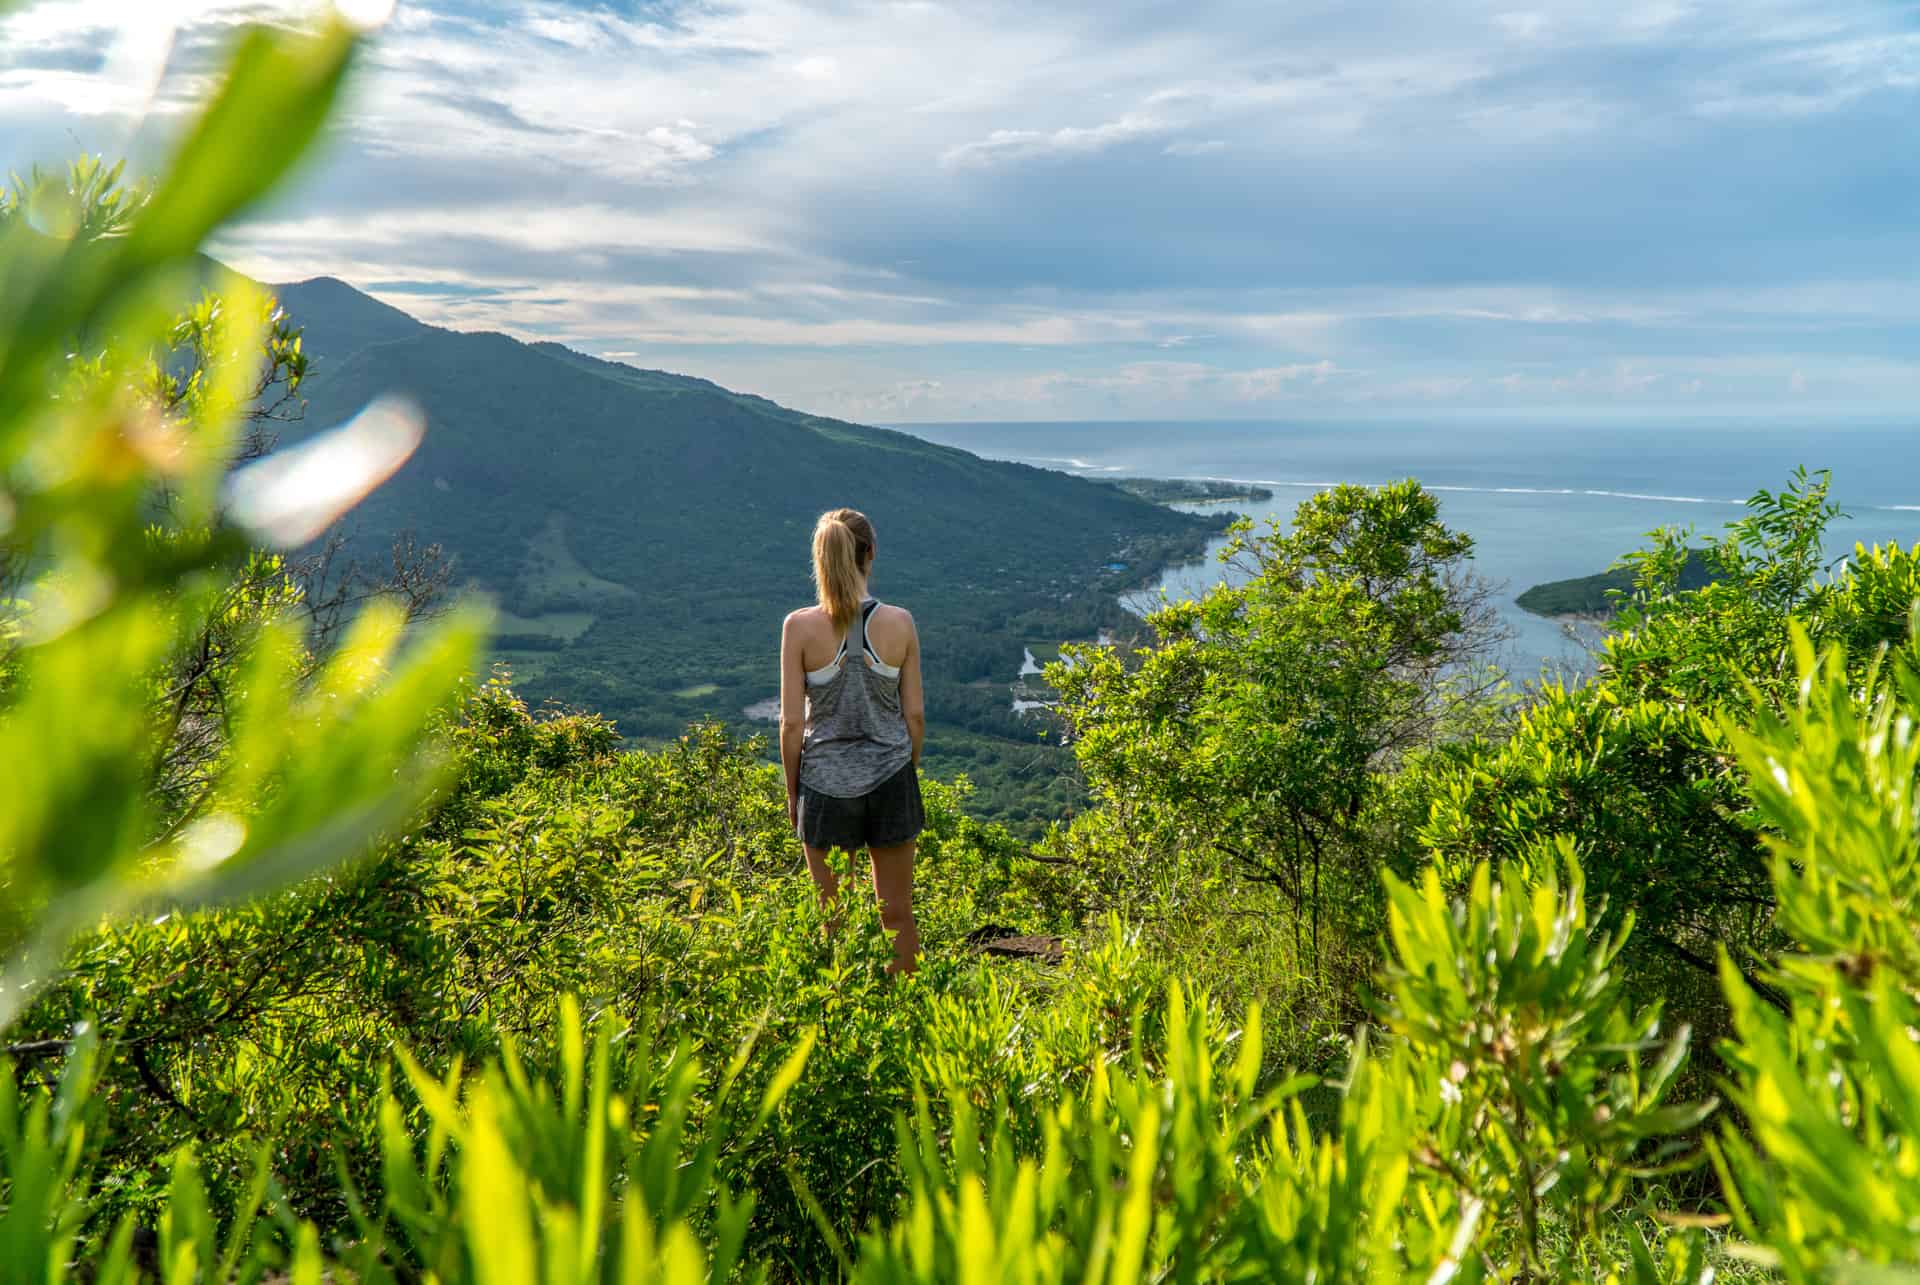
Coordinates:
x,y
851,641
866,614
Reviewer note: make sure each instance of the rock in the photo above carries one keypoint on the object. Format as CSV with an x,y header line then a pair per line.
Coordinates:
x,y
1011,943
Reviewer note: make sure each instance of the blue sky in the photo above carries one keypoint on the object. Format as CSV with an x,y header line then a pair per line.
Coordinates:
x,y
899,210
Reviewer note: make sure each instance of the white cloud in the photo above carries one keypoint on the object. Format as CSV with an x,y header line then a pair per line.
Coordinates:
x,y
132,40
1007,145
533,226
576,31
848,200
678,145
1274,381
1522,25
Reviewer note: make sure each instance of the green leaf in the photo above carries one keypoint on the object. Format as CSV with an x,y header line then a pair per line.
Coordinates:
x,y
788,1075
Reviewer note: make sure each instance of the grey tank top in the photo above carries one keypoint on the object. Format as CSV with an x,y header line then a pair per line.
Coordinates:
x,y
856,734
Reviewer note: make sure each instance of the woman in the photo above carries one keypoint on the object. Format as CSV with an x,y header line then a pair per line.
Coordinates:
x,y
852,719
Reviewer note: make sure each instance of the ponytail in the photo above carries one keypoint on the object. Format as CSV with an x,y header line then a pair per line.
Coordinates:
x,y
842,551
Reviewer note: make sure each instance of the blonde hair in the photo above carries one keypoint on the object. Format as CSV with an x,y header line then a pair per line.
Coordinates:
x,y
842,551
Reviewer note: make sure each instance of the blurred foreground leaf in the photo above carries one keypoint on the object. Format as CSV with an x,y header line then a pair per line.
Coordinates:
x,y
113,456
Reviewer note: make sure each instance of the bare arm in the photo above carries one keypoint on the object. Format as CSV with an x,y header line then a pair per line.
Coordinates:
x,y
793,713
913,697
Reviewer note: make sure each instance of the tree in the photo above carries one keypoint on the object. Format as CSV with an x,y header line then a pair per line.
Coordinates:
x,y
1726,641
1261,720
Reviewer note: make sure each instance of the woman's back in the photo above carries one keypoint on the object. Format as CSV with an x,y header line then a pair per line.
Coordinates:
x,y
856,730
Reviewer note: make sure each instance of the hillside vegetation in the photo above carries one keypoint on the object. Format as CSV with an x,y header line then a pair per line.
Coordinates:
x,y
1602,594
1189,490
325,960
645,532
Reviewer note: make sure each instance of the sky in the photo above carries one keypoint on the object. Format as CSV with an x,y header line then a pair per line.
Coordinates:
x,y
926,210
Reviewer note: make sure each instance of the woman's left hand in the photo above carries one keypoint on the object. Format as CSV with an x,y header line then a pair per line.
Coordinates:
x,y
793,810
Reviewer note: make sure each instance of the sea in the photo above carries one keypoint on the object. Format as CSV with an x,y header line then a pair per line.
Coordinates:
x,y
1542,500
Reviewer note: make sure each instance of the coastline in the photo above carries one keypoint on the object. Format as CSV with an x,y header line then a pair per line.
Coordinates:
x,y
1598,619
1149,575
1190,490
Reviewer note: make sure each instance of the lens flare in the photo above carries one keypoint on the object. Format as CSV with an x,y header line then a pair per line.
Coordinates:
x,y
290,498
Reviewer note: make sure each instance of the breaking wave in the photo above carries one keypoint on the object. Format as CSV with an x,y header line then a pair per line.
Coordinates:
x,y
1503,490
1071,461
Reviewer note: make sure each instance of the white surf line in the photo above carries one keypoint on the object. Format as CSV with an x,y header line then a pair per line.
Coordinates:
x,y
1071,461
1595,492
1483,490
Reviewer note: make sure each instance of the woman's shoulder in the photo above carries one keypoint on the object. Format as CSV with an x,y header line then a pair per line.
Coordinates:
x,y
807,620
891,629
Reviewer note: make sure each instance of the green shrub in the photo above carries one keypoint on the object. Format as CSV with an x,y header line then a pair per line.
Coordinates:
x,y
596,1168
1637,767
1823,1174
1510,1090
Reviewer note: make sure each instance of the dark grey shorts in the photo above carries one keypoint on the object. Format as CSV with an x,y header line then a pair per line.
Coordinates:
x,y
889,813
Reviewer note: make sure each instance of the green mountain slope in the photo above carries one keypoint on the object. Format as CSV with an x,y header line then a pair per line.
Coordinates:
x,y
646,531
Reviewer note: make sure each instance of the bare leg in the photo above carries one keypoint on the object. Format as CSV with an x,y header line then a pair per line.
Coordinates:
x,y
893,885
826,880
824,877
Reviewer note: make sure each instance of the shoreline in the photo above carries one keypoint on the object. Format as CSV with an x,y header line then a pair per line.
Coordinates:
x,y
1170,491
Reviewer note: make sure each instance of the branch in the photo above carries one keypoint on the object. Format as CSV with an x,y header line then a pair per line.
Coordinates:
x,y
138,1056
1047,861
1762,988
36,1048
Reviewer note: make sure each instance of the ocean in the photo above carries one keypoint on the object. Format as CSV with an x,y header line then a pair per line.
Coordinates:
x,y
1542,501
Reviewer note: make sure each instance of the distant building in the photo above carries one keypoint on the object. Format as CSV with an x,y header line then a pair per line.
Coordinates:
x,y
1116,566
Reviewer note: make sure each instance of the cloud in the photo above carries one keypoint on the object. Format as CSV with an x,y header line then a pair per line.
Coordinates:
x,y
1201,147
1275,381
940,209
534,226
677,144
1004,146
489,110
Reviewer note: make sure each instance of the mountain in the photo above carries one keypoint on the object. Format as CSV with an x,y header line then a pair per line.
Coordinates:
x,y
336,320
646,531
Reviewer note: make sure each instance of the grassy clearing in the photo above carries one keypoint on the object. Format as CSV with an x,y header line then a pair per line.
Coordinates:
x,y
553,573
1044,651
696,691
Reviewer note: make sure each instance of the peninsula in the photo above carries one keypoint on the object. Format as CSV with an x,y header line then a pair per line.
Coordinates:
x,y
1190,490
1596,596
